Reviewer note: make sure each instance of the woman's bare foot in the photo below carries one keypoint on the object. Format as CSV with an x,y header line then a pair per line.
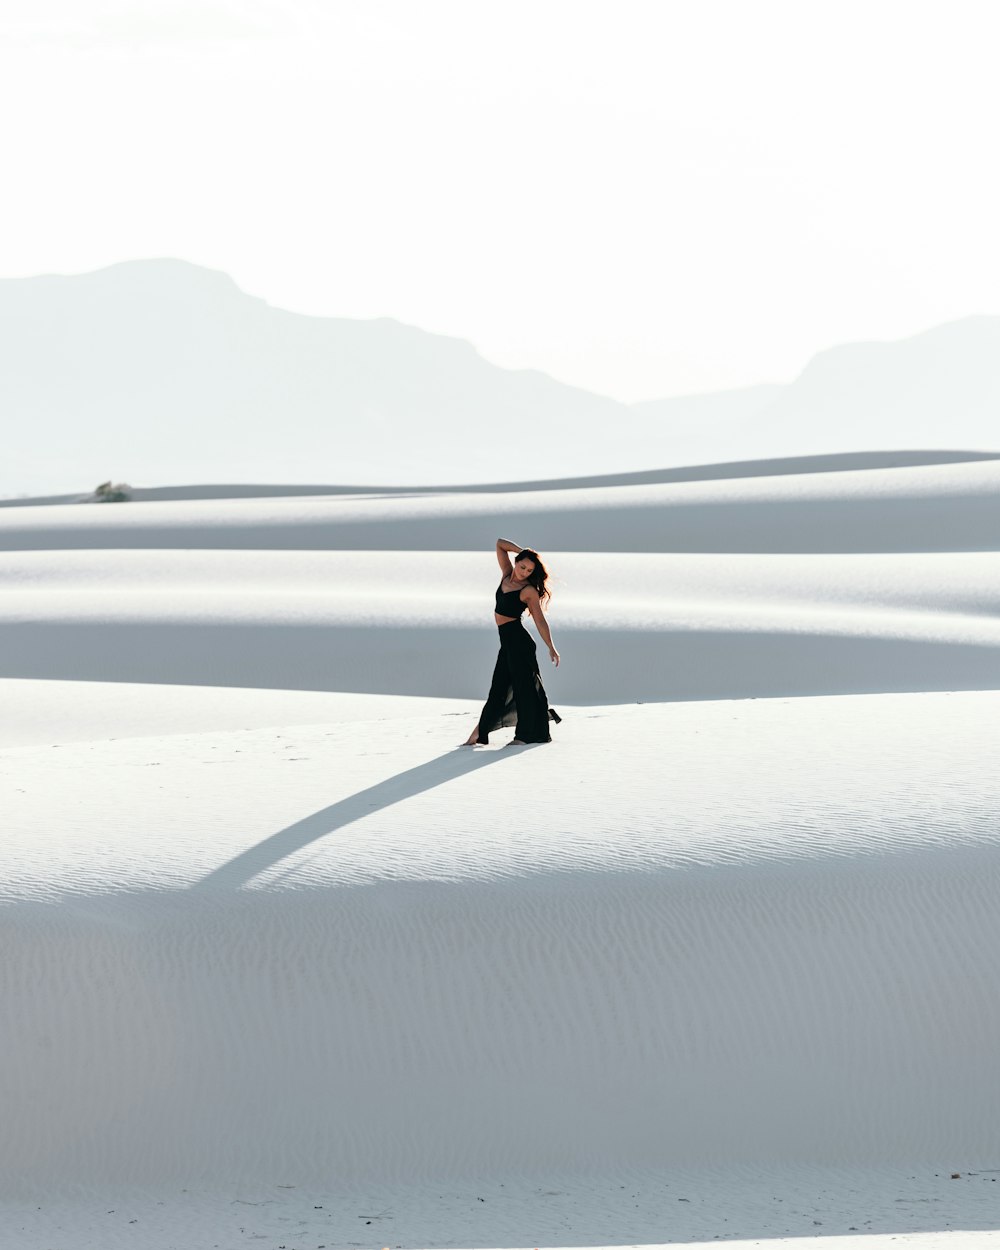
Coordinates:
x,y
472,739
516,742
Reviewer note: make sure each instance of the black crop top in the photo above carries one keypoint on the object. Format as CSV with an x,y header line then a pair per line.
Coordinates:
x,y
509,601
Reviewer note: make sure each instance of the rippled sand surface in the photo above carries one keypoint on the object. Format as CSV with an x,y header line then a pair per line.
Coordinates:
x,y
281,958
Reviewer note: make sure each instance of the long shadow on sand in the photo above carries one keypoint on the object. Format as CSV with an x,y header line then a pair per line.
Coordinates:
x,y
286,842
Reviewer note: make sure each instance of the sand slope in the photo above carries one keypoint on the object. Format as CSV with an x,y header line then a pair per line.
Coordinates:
x,y
630,626
391,971
266,924
929,507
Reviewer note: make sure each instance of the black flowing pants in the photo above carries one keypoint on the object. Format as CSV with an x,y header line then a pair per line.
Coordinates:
x,y
517,696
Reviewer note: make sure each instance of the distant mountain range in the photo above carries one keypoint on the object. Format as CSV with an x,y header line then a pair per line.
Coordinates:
x,y
161,372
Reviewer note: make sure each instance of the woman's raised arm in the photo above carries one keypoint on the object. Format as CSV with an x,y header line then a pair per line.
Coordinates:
x,y
503,546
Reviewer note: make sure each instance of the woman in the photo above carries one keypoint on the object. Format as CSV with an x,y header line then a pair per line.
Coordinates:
x,y
517,696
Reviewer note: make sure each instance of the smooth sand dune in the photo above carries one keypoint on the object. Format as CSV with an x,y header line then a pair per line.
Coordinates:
x,y
57,712
939,507
271,936
837,462
630,627
708,936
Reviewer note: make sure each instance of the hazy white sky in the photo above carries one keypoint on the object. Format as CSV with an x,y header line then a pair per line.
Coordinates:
x,y
641,197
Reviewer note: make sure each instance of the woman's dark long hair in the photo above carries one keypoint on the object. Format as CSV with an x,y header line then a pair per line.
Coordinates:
x,y
539,574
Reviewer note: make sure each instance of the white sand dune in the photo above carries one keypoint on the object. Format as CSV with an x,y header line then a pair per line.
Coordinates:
x,y
936,507
419,976
57,712
633,626
271,936
837,462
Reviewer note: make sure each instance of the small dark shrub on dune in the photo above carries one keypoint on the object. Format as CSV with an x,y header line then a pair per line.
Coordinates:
x,y
107,492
